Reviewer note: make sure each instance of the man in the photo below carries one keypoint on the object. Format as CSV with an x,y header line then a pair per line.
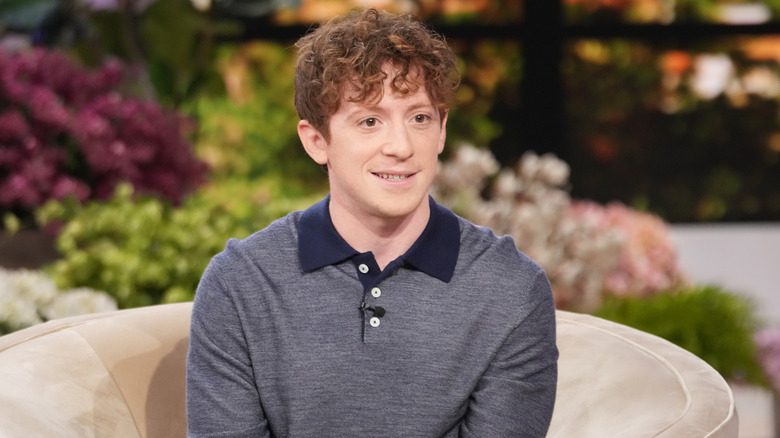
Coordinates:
x,y
375,312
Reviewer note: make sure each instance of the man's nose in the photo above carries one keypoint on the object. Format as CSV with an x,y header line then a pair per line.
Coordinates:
x,y
399,144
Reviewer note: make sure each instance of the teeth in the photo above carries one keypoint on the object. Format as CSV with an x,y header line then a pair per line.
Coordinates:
x,y
390,177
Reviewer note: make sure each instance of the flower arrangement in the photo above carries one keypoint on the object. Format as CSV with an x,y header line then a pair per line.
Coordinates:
x,y
29,297
648,260
767,341
67,132
587,249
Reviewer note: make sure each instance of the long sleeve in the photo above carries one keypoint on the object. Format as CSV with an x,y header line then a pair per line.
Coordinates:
x,y
279,351
516,394
222,398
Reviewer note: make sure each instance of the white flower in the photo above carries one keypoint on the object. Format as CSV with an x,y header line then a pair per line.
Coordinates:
x,y
506,184
762,81
201,5
78,302
22,292
712,75
477,158
30,297
16,313
553,171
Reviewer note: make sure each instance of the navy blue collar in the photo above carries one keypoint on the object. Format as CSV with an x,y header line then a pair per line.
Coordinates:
x,y
435,252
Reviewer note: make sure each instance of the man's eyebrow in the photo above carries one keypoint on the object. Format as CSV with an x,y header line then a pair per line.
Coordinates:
x,y
360,108
422,105
378,107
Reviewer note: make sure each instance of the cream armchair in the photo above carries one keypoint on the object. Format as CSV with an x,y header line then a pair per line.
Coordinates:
x,y
615,381
121,374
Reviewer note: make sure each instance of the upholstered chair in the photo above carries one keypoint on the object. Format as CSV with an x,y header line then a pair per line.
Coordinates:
x,y
122,374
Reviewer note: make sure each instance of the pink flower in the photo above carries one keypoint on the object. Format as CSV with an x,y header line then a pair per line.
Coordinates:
x,y
66,131
648,262
137,5
768,344
16,189
66,186
13,126
47,108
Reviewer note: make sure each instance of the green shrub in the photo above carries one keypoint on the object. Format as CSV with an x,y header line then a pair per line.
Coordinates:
x,y
715,325
248,128
142,250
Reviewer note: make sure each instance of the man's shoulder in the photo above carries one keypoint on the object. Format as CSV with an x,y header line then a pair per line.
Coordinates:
x,y
270,243
283,229
491,270
482,247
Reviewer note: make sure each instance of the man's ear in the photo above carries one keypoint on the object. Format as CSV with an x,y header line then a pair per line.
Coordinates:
x,y
313,142
443,133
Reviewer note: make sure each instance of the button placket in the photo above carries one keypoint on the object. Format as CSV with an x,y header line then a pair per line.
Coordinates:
x,y
370,276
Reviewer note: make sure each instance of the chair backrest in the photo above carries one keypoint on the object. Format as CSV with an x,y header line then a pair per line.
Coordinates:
x,y
122,374
616,381
116,374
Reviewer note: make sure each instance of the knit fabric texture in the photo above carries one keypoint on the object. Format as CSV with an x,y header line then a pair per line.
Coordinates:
x,y
277,351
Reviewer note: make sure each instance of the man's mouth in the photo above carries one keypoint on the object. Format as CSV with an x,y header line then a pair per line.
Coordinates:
x,y
392,176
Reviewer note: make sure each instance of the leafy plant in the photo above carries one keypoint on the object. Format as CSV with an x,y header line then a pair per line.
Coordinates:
x,y
714,324
248,128
140,249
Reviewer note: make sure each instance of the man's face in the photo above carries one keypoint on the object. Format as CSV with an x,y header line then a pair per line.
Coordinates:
x,y
382,156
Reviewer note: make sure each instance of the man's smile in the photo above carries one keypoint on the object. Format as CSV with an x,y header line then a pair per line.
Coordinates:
x,y
393,176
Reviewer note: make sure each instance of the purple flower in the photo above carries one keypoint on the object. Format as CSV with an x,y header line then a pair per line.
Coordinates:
x,y
65,131
66,186
47,108
137,5
13,126
768,344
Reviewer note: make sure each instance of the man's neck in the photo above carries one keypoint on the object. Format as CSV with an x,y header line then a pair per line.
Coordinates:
x,y
386,237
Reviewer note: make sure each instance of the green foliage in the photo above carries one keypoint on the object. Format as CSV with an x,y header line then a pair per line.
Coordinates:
x,y
487,103
248,128
141,250
169,42
715,325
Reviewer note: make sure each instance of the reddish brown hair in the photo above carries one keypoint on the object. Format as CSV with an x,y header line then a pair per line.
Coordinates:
x,y
353,48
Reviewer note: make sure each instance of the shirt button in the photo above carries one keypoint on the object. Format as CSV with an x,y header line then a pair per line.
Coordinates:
x,y
374,322
363,268
376,293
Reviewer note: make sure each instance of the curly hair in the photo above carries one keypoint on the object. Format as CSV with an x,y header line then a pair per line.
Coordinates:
x,y
353,48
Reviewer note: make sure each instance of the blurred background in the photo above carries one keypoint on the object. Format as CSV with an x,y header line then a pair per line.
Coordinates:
x,y
632,147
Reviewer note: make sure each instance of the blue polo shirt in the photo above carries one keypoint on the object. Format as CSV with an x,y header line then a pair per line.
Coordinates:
x,y
286,340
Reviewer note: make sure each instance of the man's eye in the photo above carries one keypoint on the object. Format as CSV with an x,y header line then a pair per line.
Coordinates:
x,y
421,118
370,122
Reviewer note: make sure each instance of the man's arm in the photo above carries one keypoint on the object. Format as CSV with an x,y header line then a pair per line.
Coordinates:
x,y
222,399
516,395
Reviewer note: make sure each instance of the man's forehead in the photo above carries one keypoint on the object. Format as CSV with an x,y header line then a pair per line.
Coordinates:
x,y
416,99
